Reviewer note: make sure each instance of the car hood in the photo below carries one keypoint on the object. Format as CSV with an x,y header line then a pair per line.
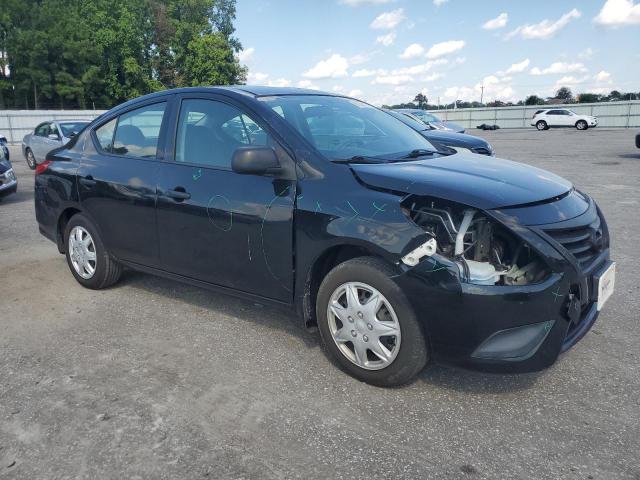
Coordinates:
x,y
475,180
454,139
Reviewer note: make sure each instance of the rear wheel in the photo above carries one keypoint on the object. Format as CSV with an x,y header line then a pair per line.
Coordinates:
x,y
581,125
88,259
541,125
368,326
31,159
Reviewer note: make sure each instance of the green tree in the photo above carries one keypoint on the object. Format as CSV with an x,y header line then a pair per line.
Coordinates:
x,y
589,97
565,94
533,100
210,61
421,100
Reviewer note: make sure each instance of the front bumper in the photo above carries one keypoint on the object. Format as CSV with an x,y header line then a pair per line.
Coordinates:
x,y
510,329
8,183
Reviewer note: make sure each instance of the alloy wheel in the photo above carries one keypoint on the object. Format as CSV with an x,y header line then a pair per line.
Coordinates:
x,y
82,252
31,160
364,325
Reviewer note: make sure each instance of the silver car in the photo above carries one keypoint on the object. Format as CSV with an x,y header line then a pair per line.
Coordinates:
x,y
47,136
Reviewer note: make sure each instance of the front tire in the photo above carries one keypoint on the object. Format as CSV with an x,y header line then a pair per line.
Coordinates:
x,y
581,125
87,257
541,125
31,159
367,325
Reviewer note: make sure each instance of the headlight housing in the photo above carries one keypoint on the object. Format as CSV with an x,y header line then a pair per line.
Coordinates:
x,y
486,252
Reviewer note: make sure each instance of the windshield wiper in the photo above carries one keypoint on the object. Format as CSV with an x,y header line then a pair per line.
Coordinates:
x,y
358,159
420,152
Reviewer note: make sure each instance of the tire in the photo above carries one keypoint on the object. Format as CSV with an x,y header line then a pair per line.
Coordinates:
x,y
106,271
409,357
541,125
581,125
31,159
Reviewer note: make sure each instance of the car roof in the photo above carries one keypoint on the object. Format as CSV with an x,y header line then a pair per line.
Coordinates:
x,y
62,122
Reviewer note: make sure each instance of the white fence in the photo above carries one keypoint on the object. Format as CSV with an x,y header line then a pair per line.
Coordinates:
x,y
15,124
611,114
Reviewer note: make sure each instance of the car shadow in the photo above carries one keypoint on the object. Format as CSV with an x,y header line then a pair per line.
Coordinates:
x,y
18,197
280,318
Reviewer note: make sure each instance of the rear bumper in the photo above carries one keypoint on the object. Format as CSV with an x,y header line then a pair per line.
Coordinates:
x,y
8,188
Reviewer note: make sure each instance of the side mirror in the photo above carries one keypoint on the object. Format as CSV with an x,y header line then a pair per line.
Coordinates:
x,y
73,134
255,161
53,136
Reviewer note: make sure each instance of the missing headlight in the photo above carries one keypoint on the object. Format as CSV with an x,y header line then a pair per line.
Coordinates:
x,y
487,253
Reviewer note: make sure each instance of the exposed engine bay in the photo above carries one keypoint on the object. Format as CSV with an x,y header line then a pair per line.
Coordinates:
x,y
486,252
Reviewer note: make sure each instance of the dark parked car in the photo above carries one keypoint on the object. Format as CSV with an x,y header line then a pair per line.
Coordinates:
x,y
334,207
8,180
444,140
432,120
638,140
5,146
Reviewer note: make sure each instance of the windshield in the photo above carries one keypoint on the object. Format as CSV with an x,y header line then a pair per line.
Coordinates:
x,y
343,128
70,128
425,117
408,119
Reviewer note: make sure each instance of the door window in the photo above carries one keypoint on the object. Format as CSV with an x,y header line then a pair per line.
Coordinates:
x,y
104,134
42,130
210,131
138,130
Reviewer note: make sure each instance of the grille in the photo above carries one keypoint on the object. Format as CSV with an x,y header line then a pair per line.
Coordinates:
x,y
584,242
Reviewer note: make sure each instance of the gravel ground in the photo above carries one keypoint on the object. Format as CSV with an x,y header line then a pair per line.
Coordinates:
x,y
155,379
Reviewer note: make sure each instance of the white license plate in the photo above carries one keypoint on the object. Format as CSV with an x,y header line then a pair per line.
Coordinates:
x,y
606,283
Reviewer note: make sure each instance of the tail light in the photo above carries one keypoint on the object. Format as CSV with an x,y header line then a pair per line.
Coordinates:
x,y
42,167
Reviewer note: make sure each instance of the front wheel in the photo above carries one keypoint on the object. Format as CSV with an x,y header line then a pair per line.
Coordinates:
x,y
541,125
31,159
87,257
581,125
367,324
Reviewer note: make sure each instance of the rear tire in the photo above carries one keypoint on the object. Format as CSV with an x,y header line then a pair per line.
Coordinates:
x,y
405,351
581,125
87,257
31,159
542,125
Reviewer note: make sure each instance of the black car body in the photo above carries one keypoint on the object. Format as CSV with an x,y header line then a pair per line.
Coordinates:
x,y
443,139
8,180
432,120
282,216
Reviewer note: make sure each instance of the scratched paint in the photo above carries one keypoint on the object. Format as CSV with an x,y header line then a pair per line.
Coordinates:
x,y
197,174
378,209
557,295
264,251
216,200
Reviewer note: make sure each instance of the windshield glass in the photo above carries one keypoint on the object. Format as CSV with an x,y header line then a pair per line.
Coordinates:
x,y
408,119
70,128
425,117
343,128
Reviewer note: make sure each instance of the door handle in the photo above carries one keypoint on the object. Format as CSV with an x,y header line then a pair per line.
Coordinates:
x,y
88,181
178,194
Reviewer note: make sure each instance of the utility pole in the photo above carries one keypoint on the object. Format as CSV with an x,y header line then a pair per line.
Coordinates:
x,y
481,93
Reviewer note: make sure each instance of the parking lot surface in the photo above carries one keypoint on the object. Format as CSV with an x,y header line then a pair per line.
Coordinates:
x,y
155,379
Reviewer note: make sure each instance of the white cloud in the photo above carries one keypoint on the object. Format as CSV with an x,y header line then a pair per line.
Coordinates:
x,y
387,39
337,88
333,67
392,80
495,23
412,51
357,3
546,28
355,93
459,60
363,73
308,84
586,54
255,78
280,82
494,89
432,77
445,48
602,77
246,54
437,3
559,67
518,67
616,13
360,58
388,20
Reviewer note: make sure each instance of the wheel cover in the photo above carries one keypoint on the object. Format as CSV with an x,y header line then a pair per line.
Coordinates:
x,y
31,158
581,125
364,326
82,252
540,126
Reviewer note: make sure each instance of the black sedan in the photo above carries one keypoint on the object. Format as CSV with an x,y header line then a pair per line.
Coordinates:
x,y
442,139
8,180
332,207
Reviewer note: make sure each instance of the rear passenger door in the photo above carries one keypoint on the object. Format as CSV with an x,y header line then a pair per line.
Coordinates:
x,y
218,226
117,180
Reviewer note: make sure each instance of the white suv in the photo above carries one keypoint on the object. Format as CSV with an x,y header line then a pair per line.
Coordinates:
x,y
543,119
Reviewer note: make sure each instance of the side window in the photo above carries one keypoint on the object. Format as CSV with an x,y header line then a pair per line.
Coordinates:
x,y
53,130
42,130
137,131
210,131
553,112
104,134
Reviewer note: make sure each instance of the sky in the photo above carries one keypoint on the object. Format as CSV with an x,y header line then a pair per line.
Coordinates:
x,y
387,51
